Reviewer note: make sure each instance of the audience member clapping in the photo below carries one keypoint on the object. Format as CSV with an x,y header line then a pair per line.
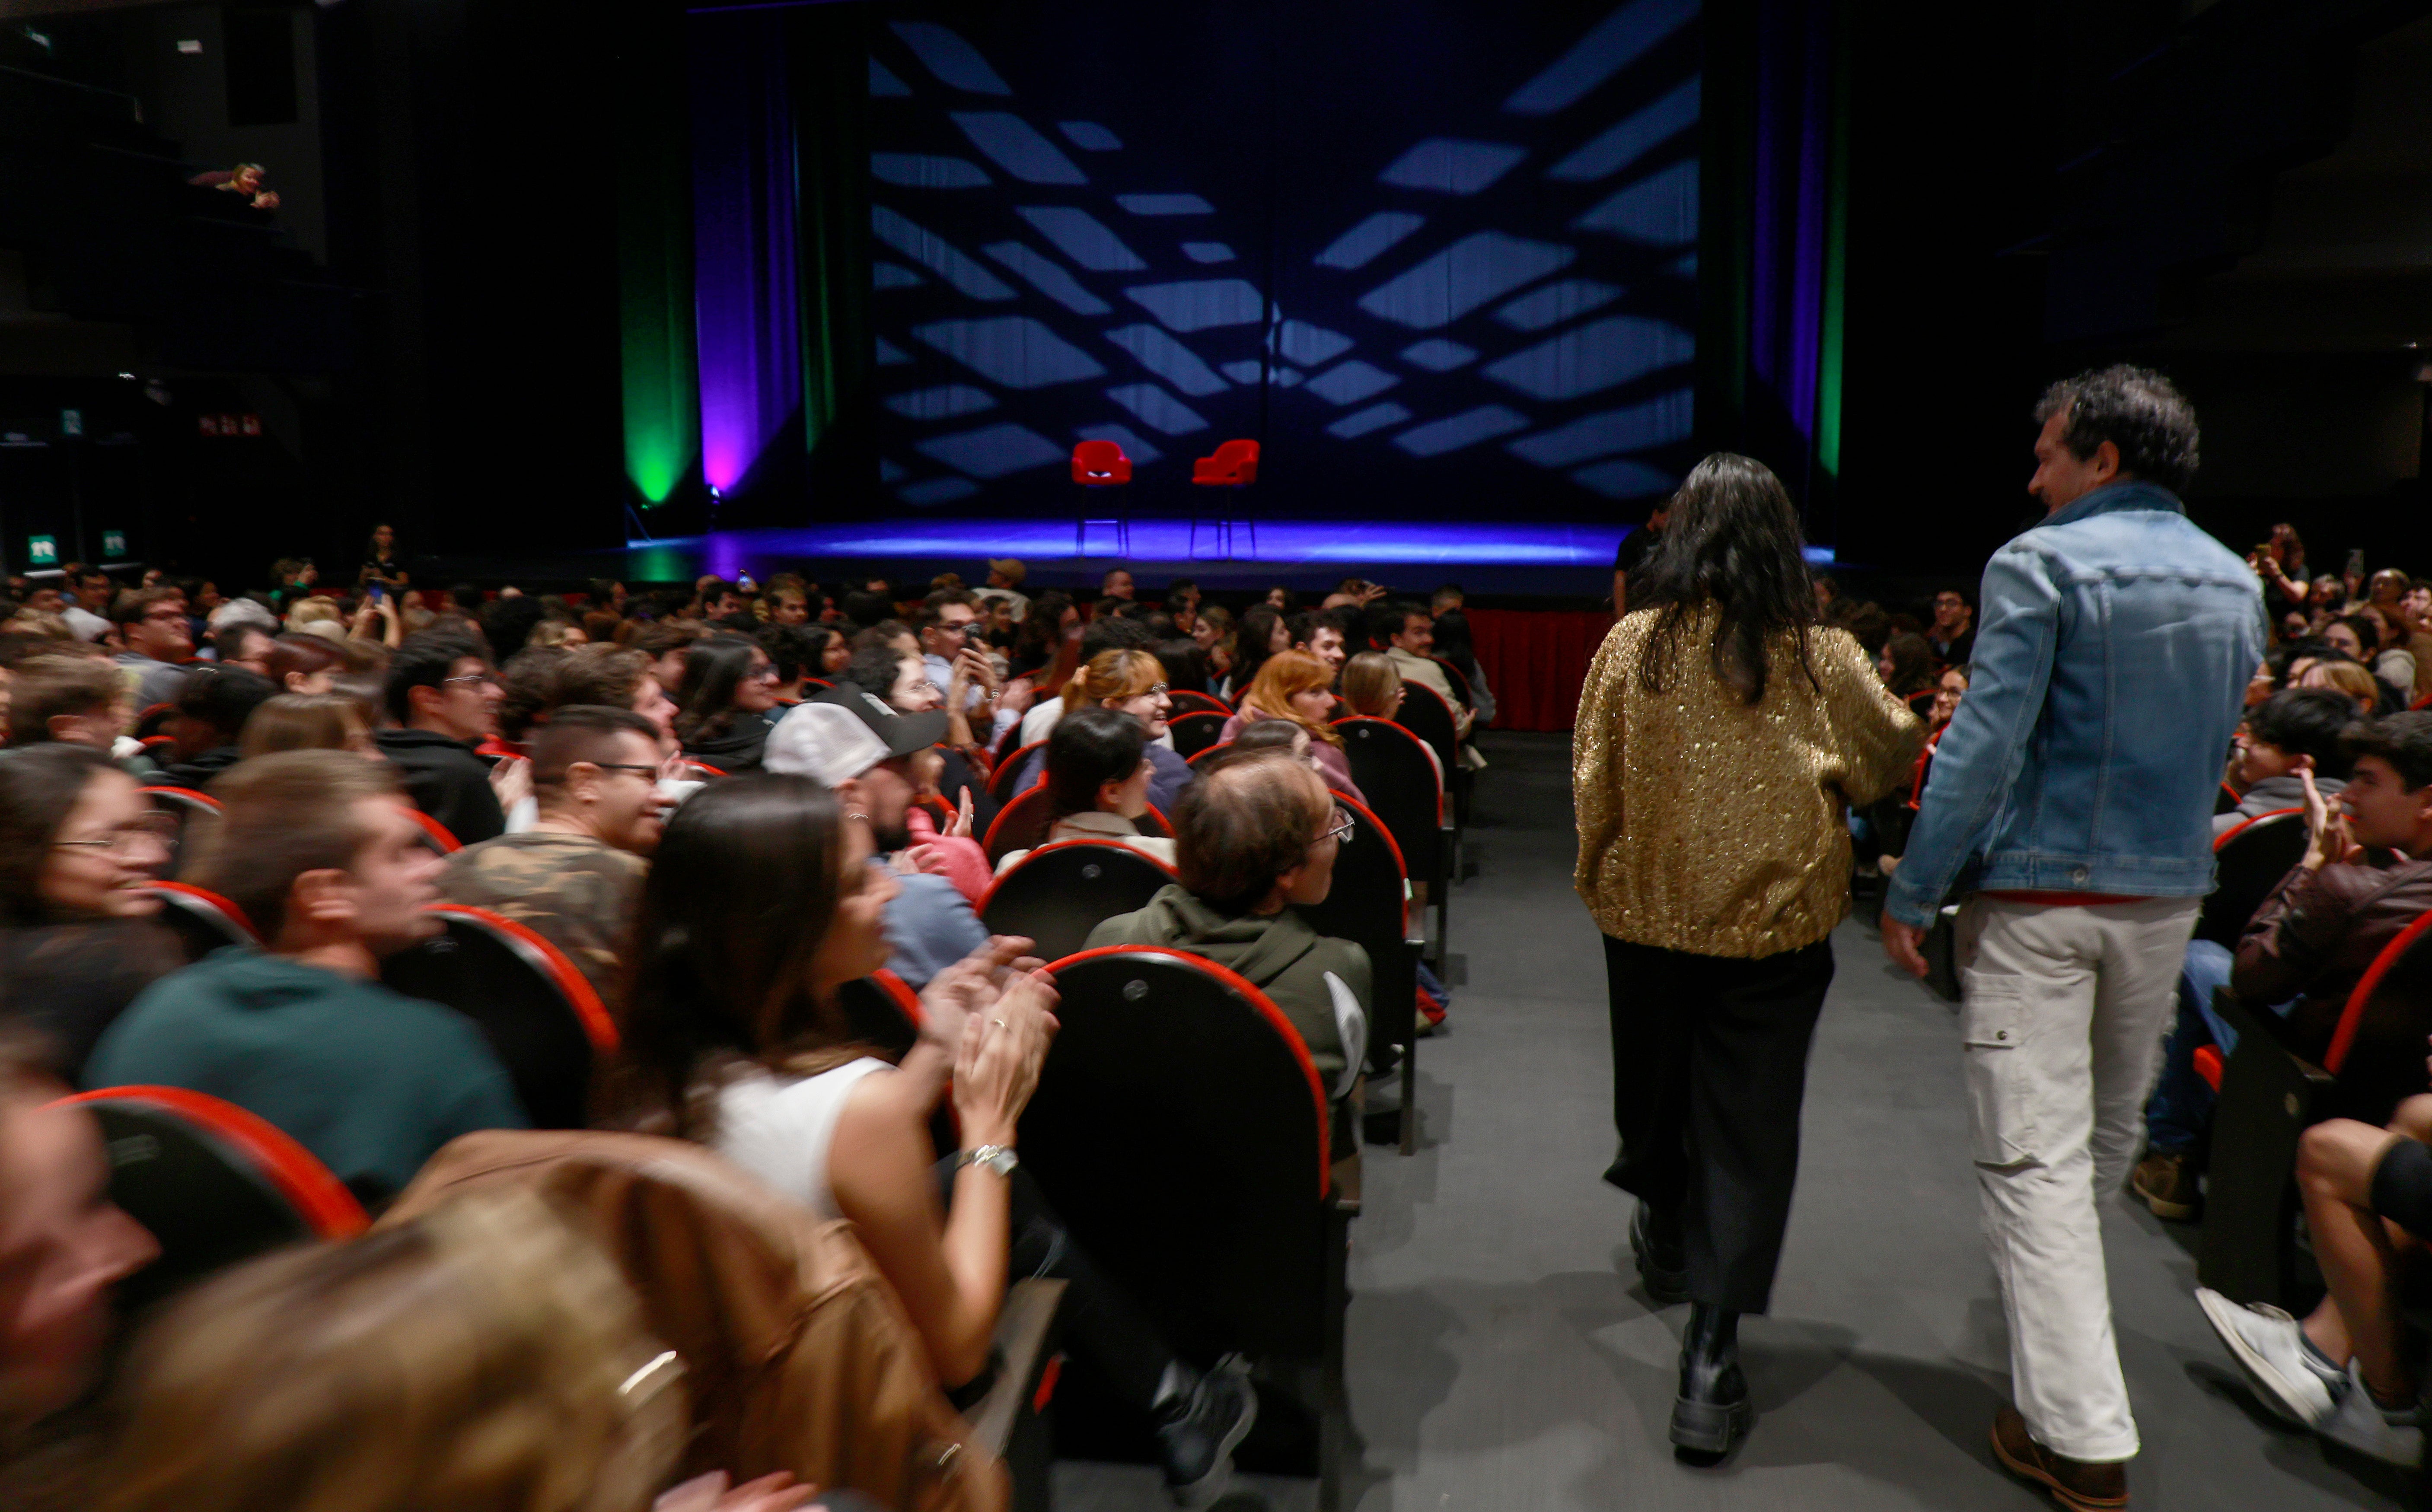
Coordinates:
x,y
762,906
80,847
316,849
866,751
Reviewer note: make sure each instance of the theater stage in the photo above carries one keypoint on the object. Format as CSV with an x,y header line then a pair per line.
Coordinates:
x,y
1499,559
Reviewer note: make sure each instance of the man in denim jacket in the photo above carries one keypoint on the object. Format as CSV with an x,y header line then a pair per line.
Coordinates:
x,y
2072,798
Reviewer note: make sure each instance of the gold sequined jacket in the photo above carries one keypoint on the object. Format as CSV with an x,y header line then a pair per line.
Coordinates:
x,y
1710,825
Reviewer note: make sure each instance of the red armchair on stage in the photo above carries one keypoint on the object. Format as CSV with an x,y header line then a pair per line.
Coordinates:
x,y
1234,465
1100,464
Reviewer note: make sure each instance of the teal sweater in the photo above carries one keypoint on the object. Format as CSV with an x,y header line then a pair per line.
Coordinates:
x,y
369,1080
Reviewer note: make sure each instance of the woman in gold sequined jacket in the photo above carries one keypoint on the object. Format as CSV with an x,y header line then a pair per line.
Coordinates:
x,y
1722,737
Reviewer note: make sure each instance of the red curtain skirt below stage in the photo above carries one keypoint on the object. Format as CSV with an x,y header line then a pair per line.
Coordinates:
x,y
1535,663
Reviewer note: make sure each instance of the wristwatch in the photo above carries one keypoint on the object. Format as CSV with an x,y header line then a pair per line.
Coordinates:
x,y
999,1159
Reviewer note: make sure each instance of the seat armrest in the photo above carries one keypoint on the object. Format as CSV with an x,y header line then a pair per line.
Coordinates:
x,y
1024,1327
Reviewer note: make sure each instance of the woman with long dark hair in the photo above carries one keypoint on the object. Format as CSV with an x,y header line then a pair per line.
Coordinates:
x,y
1262,635
760,907
1722,738
722,705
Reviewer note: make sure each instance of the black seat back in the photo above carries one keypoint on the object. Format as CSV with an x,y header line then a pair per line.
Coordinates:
x,y
1180,1131
1009,769
1398,776
538,1010
1369,905
2249,862
202,921
1187,700
1457,681
1021,825
1195,731
1424,713
1201,756
213,1184
1058,892
190,809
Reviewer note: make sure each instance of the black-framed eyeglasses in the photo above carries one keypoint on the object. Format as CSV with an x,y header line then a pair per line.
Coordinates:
x,y
159,829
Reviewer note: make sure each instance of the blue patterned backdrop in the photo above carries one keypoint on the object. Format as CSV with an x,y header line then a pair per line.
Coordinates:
x,y
1439,259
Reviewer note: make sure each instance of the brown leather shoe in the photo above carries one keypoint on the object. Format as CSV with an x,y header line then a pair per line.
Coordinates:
x,y
2079,1484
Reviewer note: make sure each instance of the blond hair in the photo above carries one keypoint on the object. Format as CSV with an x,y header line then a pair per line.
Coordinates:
x,y
1281,676
474,1359
1124,673
2351,678
1370,683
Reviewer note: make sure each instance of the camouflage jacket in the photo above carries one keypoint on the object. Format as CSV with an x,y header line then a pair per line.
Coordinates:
x,y
575,892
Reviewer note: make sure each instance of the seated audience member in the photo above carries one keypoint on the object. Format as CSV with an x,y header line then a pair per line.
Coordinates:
x,y
1185,664
74,698
761,907
1262,634
1108,632
1005,577
317,849
1133,682
1098,774
1256,832
483,1357
828,652
210,720
64,1246
304,663
80,845
722,706
2307,948
1215,635
308,721
573,878
2353,680
444,695
1372,686
527,690
241,633
1325,634
1456,645
1906,665
952,657
1047,634
152,629
1114,590
93,592
1409,632
2291,732
667,645
614,676
1952,635
2347,1371
865,751
1300,688
794,652
954,771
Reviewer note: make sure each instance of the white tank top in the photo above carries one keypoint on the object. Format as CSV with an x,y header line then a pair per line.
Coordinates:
x,y
779,1128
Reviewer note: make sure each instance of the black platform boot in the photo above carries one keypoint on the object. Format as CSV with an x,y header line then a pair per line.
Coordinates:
x,y
1711,1412
1656,1241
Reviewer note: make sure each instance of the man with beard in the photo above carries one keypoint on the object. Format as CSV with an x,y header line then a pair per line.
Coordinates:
x,y
857,744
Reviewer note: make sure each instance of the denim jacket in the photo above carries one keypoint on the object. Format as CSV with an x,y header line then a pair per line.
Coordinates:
x,y
2110,668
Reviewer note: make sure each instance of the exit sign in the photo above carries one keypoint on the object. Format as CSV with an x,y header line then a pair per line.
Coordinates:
x,y
114,543
42,550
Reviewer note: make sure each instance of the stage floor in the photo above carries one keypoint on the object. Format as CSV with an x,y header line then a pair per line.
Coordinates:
x,y
1558,559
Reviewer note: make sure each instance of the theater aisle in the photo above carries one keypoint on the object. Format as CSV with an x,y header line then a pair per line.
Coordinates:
x,y
1501,1358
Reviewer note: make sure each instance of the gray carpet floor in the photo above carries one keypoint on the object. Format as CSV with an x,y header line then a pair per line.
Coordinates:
x,y
1501,1356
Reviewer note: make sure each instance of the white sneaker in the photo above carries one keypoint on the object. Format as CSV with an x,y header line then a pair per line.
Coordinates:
x,y
2358,1422
2271,1349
